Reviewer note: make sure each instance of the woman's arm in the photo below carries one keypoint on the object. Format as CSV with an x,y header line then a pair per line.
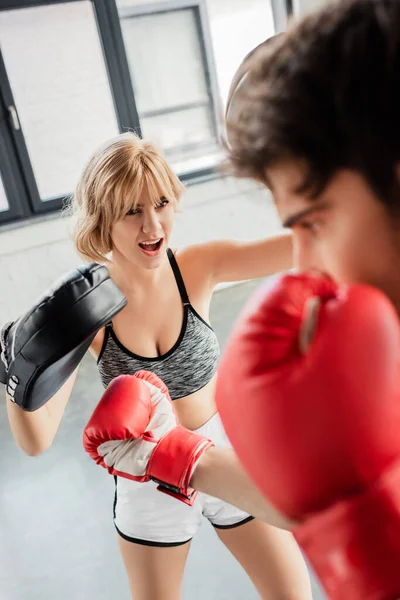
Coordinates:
x,y
220,474
35,431
237,261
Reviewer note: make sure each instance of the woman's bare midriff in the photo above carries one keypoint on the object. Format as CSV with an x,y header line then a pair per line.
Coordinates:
x,y
198,408
191,411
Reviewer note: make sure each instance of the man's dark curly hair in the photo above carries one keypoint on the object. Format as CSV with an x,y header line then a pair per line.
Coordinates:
x,y
327,93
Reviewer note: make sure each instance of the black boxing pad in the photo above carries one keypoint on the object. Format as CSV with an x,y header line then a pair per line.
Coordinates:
x,y
41,350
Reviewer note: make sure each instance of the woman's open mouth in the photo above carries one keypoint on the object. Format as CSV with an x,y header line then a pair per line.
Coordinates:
x,y
151,247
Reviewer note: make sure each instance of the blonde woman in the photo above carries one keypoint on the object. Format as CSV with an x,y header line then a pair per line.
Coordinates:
x,y
126,202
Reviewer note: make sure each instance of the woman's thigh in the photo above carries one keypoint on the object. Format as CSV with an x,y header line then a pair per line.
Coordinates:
x,y
154,572
271,558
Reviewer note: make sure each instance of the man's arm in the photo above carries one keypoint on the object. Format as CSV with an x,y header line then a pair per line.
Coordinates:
x,y
220,474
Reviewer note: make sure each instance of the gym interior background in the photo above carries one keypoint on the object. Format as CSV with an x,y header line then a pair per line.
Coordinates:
x,y
72,74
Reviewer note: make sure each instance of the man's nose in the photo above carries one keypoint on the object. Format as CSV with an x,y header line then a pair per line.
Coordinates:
x,y
306,258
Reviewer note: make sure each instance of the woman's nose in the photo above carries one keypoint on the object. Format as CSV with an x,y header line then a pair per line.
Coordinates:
x,y
151,222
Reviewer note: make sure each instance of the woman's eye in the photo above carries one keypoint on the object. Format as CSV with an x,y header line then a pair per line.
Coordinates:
x,y
163,203
137,211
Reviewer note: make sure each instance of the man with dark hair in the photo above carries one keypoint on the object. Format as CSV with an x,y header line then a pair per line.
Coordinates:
x,y
309,384
315,117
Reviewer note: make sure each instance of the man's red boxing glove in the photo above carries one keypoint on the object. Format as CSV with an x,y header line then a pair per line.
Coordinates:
x,y
319,432
133,433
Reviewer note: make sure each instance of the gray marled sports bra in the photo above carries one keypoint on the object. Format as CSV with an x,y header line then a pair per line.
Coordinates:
x,y
186,368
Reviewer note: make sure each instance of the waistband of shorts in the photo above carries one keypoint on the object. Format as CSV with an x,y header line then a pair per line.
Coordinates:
x,y
210,425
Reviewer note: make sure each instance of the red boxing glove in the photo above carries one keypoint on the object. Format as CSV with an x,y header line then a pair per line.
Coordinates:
x,y
133,434
319,432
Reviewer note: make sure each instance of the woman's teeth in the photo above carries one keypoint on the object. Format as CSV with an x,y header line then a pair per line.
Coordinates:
x,y
150,246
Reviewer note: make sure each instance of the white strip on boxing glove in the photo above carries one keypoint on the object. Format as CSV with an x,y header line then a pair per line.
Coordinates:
x,y
133,434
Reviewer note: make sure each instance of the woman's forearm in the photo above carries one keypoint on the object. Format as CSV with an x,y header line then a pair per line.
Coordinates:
x,y
219,473
30,429
34,432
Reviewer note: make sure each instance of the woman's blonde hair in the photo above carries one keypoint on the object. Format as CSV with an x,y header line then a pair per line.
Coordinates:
x,y
111,185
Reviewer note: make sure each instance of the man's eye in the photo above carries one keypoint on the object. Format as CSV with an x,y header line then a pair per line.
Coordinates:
x,y
312,226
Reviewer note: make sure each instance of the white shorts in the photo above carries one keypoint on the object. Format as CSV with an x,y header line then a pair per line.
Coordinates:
x,y
144,515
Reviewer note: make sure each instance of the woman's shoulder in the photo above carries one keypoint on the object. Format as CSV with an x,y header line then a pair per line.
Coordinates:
x,y
200,253
193,257
203,257
195,263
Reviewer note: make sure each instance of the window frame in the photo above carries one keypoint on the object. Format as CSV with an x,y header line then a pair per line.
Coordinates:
x,y
205,41
10,174
17,173
29,205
